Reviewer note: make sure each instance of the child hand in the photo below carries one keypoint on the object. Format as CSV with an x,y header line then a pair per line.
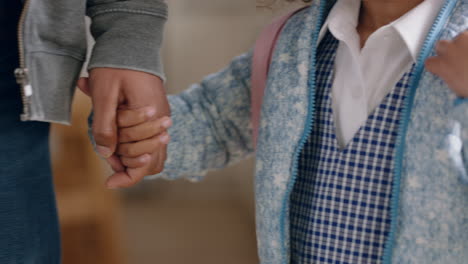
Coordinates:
x,y
141,148
141,142
451,63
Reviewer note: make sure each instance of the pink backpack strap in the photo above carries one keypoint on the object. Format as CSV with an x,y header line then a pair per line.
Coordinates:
x,y
263,52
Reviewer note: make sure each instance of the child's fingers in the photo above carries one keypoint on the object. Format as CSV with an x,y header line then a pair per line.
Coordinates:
x,y
462,39
136,162
438,66
155,166
120,180
131,176
115,163
443,47
126,178
132,117
144,131
433,64
148,146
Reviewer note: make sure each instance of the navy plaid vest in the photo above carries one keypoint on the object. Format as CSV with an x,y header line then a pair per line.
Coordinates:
x,y
340,204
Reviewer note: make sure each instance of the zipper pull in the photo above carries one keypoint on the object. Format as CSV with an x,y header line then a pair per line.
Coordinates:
x,y
22,78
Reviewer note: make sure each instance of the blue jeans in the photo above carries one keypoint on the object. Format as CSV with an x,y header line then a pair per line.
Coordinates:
x,y
29,232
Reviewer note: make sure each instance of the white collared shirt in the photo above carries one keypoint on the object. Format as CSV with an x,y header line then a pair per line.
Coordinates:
x,y
363,77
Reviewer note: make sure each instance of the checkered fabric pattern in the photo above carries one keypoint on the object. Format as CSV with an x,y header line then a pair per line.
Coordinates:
x,y
340,205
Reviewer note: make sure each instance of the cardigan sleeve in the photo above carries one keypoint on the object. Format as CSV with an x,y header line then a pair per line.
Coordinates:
x,y
211,123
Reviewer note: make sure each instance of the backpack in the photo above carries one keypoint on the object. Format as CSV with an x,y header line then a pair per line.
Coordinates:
x,y
262,55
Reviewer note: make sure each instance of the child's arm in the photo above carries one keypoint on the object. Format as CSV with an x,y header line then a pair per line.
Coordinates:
x,y
451,63
210,125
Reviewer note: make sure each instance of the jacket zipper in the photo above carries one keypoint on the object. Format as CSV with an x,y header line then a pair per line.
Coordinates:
x,y
21,73
400,143
308,128
433,35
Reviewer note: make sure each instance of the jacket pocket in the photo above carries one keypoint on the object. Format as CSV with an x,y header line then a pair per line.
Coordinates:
x,y
457,151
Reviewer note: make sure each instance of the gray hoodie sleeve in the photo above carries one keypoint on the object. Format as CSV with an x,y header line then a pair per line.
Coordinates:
x,y
128,34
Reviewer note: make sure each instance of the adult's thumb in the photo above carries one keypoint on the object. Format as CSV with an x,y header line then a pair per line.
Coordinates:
x,y
105,103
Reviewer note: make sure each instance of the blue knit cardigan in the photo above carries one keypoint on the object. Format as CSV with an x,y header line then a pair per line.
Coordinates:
x,y
430,195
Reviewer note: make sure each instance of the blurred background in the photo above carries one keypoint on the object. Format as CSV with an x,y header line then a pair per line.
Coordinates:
x,y
176,222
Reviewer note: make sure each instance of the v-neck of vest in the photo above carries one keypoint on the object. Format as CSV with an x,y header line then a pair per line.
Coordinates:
x,y
371,117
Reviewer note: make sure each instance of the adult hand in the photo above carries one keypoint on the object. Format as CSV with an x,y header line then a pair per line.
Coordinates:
x,y
451,63
141,96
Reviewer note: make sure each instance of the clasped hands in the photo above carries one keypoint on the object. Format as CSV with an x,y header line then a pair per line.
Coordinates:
x,y
131,116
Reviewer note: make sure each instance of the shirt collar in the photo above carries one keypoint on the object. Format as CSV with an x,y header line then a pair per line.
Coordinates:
x,y
413,27
344,15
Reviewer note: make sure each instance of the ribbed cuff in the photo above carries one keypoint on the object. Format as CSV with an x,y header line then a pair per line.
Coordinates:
x,y
128,38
